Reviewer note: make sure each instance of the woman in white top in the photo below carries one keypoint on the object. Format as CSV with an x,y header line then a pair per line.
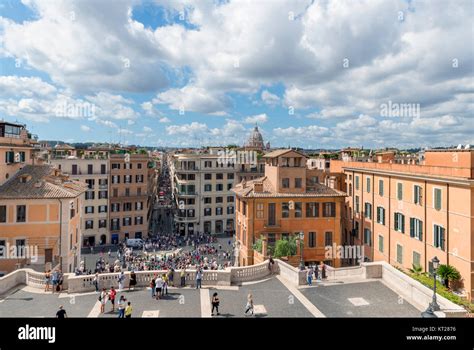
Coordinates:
x,y
103,299
249,306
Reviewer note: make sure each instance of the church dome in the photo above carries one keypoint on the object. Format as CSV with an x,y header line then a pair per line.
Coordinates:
x,y
255,139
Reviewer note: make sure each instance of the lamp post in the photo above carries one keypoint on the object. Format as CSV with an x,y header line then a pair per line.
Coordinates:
x,y
433,306
301,250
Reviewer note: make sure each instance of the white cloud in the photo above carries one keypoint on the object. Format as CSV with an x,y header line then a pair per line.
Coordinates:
x,y
269,98
259,119
147,129
165,120
107,123
85,128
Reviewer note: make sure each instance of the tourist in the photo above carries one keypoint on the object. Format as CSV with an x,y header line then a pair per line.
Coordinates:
x,y
159,286
47,280
112,294
103,299
316,273
270,264
171,276
60,281
249,306
121,280
54,280
61,313
153,287
165,284
133,281
95,281
121,307
128,310
309,276
198,278
183,277
215,304
323,270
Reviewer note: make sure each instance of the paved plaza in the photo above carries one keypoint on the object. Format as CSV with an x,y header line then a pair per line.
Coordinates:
x,y
273,297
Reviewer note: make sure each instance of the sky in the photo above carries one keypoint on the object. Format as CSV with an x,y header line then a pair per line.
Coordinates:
x,y
179,73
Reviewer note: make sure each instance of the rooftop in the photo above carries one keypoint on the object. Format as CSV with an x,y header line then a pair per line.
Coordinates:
x,y
40,181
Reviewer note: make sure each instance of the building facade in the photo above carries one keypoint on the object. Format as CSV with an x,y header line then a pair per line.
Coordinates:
x,y
40,220
94,170
201,185
288,200
407,213
132,183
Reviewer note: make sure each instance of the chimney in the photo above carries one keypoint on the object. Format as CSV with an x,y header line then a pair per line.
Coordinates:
x,y
258,187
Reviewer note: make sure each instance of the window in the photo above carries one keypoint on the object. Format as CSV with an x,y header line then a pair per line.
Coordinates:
x,y
230,210
260,210
271,214
219,176
312,210
115,192
416,258
207,176
381,215
127,179
399,191
127,206
218,210
219,199
103,169
329,209
89,224
208,164
127,221
357,182
115,179
115,224
350,190
115,207
368,210
285,183
207,212
74,169
90,169
298,182
21,213
139,165
437,198
90,195
127,192
89,210
3,213
219,187
207,200
399,254
191,177
138,205
312,239
102,194
416,228
380,243
357,204
90,183
368,184
230,199
115,166
230,176
139,178
102,209
380,187
438,235
367,237
208,188
417,194
229,186
298,209
328,239
138,220
102,223
399,222
285,210
127,166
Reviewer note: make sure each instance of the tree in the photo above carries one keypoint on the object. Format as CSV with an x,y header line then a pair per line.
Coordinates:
x,y
448,273
285,247
258,245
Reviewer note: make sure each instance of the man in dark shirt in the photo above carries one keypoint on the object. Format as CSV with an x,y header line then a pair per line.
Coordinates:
x,y
61,313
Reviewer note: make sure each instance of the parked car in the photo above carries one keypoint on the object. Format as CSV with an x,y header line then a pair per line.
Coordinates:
x,y
135,243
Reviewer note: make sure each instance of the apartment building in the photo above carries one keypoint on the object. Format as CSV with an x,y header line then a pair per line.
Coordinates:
x,y
407,212
40,221
132,183
17,147
91,167
201,185
288,200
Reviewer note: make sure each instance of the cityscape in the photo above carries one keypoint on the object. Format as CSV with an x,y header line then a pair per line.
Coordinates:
x,y
237,159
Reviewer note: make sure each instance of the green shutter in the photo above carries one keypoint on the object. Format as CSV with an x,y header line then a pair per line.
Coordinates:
x,y
403,223
395,220
412,227
437,199
399,191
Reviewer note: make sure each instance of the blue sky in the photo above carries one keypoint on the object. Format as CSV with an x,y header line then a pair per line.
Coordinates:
x,y
192,73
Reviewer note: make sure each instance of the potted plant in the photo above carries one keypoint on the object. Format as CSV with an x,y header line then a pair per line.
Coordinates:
x,y
448,273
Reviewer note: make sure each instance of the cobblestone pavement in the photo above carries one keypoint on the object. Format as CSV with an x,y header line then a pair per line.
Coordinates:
x,y
272,298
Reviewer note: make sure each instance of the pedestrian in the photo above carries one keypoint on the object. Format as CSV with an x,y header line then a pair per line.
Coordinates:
x,y
198,278
153,287
112,294
183,277
121,280
121,307
309,276
215,304
159,287
171,277
95,281
61,313
133,281
165,284
249,306
316,273
54,280
103,299
47,280
59,288
128,310
270,264
323,270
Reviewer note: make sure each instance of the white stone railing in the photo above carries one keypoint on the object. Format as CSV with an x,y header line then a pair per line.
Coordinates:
x,y
249,273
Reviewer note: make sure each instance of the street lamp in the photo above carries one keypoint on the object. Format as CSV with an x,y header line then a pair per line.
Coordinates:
x,y
301,250
433,306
